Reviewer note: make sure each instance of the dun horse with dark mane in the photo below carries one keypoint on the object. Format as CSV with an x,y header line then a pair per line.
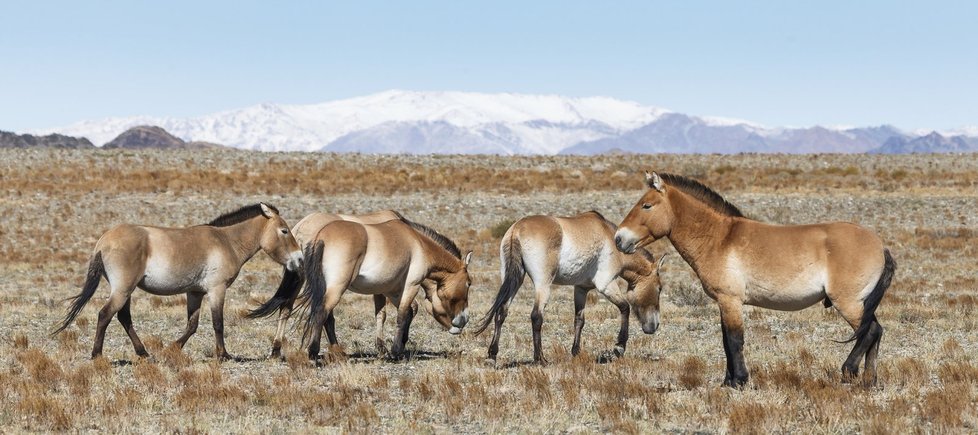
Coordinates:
x,y
200,261
741,261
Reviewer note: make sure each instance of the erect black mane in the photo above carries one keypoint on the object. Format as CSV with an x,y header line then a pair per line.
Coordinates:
x,y
704,194
240,215
436,237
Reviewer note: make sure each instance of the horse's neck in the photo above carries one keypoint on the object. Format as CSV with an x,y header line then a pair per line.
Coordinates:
x,y
697,229
244,237
635,265
439,259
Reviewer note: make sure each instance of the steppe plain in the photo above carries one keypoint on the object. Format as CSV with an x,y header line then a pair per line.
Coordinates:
x,y
54,204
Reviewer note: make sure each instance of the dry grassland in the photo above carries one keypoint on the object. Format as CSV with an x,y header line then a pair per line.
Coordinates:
x,y
55,205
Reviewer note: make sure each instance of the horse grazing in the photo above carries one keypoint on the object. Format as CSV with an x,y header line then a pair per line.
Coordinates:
x,y
284,299
393,259
576,251
200,261
783,267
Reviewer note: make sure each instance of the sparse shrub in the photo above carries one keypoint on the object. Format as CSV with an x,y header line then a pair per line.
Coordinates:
x,y
691,372
498,230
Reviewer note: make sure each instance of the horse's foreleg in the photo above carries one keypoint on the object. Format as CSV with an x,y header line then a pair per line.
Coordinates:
x,y
216,300
732,323
404,317
580,300
125,318
380,315
194,300
614,293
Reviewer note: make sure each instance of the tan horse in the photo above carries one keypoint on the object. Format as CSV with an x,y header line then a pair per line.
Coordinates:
x,y
577,251
392,259
284,299
741,261
200,261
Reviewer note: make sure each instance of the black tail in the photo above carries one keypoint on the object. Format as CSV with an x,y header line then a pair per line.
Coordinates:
x,y
512,280
315,288
873,300
95,271
287,291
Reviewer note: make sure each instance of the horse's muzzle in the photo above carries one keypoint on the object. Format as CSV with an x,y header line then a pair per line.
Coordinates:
x,y
459,322
295,263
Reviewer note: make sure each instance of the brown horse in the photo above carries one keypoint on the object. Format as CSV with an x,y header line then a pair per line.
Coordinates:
x,y
392,259
284,299
578,251
200,261
742,261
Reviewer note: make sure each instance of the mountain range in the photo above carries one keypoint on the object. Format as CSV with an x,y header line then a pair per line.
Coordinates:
x,y
478,123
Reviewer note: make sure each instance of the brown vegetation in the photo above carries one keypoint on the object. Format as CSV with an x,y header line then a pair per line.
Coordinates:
x,y
58,203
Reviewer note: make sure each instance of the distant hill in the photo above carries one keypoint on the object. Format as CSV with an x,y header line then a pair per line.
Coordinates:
x,y
502,123
13,140
930,143
148,136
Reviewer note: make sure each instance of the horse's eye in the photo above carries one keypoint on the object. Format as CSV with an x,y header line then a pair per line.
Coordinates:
x,y
285,230
646,206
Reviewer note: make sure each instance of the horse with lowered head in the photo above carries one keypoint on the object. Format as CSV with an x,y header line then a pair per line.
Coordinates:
x,y
200,261
578,251
283,300
783,267
396,259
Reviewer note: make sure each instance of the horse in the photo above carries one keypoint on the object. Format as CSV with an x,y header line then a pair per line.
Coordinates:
x,y
202,260
391,259
284,298
741,261
578,251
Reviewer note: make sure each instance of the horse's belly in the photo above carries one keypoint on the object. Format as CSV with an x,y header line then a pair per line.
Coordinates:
x,y
164,283
797,295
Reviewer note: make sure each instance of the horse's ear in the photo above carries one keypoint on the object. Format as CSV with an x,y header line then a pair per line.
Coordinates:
x,y
468,258
654,181
662,259
269,212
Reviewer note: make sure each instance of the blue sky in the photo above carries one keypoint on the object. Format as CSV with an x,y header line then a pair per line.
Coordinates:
x,y
911,64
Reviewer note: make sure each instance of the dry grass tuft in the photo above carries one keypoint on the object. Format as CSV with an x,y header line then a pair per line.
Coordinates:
x,y
41,368
944,408
174,358
149,374
41,408
20,341
692,372
747,418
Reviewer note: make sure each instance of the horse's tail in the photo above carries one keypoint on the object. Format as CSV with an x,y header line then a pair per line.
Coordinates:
x,y
873,299
95,271
287,291
513,274
315,288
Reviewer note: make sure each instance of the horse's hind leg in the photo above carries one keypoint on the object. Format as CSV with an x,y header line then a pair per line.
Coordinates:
x,y
125,318
876,333
732,323
380,315
122,288
852,312
498,328
580,300
216,300
536,320
283,316
194,300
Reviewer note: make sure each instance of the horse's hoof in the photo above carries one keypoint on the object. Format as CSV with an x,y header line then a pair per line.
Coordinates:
x,y
735,383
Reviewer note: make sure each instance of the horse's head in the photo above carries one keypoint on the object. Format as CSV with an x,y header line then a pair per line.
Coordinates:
x,y
450,298
277,240
643,295
650,218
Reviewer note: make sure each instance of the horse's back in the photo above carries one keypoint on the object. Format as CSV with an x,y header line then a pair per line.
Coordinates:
x,y
307,227
568,248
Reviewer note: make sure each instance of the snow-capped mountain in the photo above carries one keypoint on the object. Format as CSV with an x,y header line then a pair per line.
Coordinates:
x,y
467,122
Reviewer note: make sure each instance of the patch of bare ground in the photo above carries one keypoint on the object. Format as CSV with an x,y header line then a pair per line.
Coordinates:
x,y
57,203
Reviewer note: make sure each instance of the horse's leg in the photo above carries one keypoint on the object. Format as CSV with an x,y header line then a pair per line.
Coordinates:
x,y
580,300
536,320
500,318
194,300
852,311
380,301
216,300
876,332
330,300
732,323
125,318
404,316
614,293
330,327
123,285
283,316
